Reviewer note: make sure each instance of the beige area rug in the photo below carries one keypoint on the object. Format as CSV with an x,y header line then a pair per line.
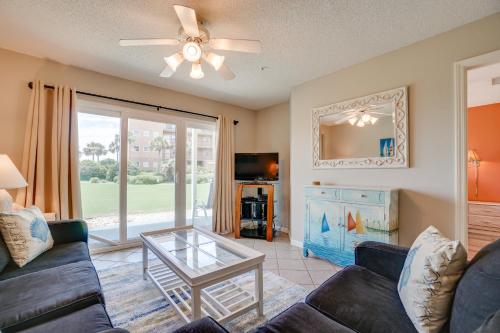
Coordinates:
x,y
138,306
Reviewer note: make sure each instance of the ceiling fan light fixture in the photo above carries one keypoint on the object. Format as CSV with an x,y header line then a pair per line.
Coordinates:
x,y
174,60
191,51
353,120
373,120
365,118
215,60
196,71
360,123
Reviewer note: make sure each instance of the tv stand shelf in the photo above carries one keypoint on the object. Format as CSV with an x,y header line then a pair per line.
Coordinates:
x,y
265,228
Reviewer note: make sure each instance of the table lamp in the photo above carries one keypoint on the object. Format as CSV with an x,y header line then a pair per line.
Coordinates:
x,y
10,178
474,160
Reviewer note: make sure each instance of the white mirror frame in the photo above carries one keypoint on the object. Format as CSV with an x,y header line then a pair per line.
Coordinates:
x,y
399,97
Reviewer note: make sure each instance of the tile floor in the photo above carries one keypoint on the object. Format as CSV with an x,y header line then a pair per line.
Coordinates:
x,y
282,258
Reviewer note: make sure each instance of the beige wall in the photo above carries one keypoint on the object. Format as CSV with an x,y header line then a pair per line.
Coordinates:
x,y
427,187
18,69
273,135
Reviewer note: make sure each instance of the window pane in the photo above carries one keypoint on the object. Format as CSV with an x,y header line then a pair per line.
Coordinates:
x,y
99,149
150,176
200,171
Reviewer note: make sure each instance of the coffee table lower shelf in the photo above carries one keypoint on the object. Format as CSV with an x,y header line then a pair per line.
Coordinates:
x,y
222,301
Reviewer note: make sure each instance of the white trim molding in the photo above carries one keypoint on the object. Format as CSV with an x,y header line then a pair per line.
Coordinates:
x,y
460,86
399,98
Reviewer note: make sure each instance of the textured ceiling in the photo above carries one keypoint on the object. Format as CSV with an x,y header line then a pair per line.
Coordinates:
x,y
301,39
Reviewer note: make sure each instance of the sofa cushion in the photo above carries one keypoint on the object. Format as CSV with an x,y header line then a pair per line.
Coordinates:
x,y
37,297
429,277
478,292
59,255
362,300
301,318
91,319
26,234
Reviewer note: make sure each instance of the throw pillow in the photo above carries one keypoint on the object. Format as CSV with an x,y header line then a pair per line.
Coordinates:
x,y
427,283
26,234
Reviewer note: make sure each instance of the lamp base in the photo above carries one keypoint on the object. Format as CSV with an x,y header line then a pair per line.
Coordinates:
x,y
5,201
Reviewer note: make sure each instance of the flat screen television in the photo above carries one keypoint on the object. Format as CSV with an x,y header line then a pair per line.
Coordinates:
x,y
258,166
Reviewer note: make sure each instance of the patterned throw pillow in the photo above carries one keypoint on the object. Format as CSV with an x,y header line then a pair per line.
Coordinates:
x,y
26,234
429,277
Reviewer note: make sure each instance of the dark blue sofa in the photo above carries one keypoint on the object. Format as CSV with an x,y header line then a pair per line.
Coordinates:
x,y
59,291
364,298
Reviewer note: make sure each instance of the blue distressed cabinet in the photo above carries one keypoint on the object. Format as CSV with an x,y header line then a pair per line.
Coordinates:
x,y
338,218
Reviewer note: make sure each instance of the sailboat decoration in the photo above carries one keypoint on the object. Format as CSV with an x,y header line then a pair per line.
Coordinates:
x,y
355,224
360,227
324,224
351,224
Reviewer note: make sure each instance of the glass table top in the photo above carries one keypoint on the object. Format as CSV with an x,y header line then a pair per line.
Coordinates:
x,y
197,251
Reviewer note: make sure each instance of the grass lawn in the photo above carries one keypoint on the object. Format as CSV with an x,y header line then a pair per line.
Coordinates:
x,y
100,199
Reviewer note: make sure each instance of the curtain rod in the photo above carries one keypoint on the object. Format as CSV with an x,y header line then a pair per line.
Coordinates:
x,y
157,107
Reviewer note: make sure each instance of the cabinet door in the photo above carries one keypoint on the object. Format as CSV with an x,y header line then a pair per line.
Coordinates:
x,y
358,225
324,223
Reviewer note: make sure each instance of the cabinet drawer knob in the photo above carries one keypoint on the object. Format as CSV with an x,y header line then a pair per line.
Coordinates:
x,y
322,192
364,196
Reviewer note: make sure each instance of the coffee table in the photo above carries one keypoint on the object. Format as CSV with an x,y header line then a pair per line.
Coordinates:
x,y
195,270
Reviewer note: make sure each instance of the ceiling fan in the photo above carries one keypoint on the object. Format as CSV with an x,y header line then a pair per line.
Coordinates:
x,y
195,40
361,116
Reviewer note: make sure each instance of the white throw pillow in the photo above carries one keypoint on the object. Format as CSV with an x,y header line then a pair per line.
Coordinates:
x,y
26,234
429,277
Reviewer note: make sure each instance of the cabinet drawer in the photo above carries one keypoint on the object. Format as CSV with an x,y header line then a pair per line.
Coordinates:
x,y
323,193
362,196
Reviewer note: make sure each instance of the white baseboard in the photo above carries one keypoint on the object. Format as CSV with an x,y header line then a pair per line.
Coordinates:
x,y
282,229
296,243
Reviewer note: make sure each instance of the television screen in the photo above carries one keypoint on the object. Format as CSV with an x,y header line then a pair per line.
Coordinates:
x,y
260,166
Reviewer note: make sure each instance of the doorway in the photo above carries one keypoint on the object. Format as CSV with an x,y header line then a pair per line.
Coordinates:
x,y
478,154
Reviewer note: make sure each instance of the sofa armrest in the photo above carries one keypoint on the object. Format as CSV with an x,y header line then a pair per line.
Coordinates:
x,y
203,325
67,231
384,259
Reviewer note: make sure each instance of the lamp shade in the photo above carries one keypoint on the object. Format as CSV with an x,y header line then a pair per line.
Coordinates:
x,y
9,175
473,156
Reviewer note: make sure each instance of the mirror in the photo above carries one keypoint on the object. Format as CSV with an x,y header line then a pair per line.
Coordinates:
x,y
365,132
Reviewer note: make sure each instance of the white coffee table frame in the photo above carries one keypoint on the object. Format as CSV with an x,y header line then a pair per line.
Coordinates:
x,y
193,293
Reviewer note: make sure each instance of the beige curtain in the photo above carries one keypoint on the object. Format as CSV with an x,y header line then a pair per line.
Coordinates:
x,y
222,215
50,157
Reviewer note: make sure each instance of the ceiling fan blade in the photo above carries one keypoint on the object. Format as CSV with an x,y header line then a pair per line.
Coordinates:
x,y
167,72
226,73
238,45
149,41
187,16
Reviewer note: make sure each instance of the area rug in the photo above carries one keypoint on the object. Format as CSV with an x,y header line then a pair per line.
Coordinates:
x,y
138,306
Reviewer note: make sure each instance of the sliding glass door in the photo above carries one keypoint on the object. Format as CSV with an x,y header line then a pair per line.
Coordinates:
x,y
200,172
143,171
99,149
151,176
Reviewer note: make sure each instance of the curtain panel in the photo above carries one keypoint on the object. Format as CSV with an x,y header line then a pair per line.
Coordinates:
x,y
50,155
222,216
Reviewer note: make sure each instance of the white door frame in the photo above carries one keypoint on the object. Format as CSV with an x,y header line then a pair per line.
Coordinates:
x,y
460,80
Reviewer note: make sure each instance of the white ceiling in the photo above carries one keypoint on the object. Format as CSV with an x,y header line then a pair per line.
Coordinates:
x,y
301,39
480,88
